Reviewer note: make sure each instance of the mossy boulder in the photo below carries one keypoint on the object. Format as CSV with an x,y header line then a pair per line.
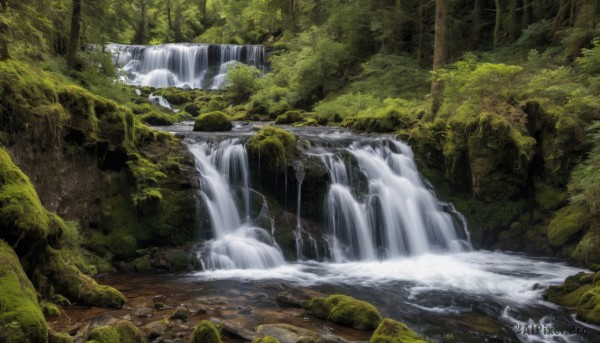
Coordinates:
x,y
272,147
213,121
289,117
59,337
50,310
588,249
176,96
569,293
345,310
122,332
566,224
268,339
391,331
21,319
206,332
588,308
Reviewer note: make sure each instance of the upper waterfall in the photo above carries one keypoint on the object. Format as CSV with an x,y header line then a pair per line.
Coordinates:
x,y
197,66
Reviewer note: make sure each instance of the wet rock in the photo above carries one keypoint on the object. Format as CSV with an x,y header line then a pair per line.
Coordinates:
x,y
159,306
159,298
181,312
153,330
174,260
291,300
143,312
392,331
285,333
246,310
233,329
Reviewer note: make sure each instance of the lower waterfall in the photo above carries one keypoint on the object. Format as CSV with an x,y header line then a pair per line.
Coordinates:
x,y
237,243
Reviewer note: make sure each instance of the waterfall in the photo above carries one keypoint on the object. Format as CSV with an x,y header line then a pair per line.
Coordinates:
x,y
197,66
397,215
237,243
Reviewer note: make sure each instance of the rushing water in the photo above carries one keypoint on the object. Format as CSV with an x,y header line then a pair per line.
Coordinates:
x,y
431,279
196,66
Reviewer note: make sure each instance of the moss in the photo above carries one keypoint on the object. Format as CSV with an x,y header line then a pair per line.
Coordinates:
x,y
588,308
588,248
68,280
21,319
566,224
192,108
549,197
272,147
123,332
289,117
142,264
59,337
345,310
391,331
213,121
50,310
267,339
176,96
569,293
206,332
23,219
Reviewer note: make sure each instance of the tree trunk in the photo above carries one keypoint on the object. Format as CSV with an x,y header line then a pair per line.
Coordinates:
x,y
421,42
585,22
4,32
288,14
440,52
75,30
562,10
399,22
140,32
477,23
169,20
512,21
202,8
537,10
498,23
573,12
526,14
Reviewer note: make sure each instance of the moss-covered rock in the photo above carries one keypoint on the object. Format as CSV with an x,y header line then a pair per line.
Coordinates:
x,y
272,147
565,224
50,310
59,337
588,249
569,293
21,319
588,308
122,332
206,332
213,121
391,331
289,117
345,310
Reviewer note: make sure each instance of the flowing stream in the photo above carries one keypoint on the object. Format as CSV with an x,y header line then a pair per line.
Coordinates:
x,y
391,242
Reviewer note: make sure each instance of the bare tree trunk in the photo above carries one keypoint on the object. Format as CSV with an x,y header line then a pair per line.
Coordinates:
x,y
512,21
562,10
477,23
75,30
140,32
399,22
498,23
526,14
585,22
4,32
537,10
288,14
421,47
573,12
169,20
440,53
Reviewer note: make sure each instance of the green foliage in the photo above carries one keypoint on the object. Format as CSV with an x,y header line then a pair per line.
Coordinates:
x,y
391,76
21,319
146,173
289,117
391,331
241,82
206,332
345,310
566,223
122,331
590,59
346,105
213,121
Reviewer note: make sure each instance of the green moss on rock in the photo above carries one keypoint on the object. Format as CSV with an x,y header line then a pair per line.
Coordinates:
x,y
213,121
345,310
569,293
289,117
391,331
50,310
21,319
206,332
588,248
59,337
565,224
272,147
588,308
122,332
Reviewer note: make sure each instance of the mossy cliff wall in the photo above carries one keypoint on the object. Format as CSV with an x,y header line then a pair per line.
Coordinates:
x,y
93,161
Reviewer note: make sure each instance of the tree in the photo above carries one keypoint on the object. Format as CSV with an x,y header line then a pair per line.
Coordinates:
x,y
440,53
498,24
4,31
75,31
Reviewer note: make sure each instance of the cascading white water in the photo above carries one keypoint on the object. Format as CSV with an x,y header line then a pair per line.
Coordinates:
x,y
237,243
397,216
197,66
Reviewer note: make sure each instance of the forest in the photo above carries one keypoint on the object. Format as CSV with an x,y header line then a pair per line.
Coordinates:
x,y
299,171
